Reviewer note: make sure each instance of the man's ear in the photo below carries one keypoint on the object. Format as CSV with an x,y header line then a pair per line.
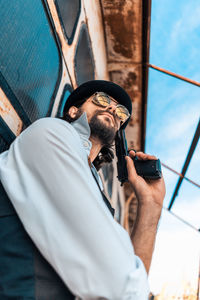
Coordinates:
x,y
73,111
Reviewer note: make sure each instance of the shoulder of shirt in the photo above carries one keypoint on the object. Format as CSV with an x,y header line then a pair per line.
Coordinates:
x,y
55,124
49,129
45,122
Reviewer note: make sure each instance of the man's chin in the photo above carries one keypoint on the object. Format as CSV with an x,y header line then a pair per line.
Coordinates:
x,y
102,130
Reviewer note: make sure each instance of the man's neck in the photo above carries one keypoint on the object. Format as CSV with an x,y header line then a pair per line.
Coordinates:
x,y
96,147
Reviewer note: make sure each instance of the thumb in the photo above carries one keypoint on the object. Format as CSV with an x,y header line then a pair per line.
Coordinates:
x,y
132,175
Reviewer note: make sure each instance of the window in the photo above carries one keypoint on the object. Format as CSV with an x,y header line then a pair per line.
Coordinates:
x,y
67,91
30,62
68,11
107,171
84,66
118,209
4,145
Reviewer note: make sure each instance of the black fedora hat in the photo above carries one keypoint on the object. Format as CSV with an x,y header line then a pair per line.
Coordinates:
x,y
88,88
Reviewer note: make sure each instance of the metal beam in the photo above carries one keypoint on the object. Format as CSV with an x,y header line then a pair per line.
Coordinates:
x,y
186,164
179,174
146,24
174,74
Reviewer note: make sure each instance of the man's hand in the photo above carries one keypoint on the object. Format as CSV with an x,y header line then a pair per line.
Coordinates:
x,y
150,195
146,190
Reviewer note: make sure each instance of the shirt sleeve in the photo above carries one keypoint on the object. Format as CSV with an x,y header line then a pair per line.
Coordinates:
x,y
49,182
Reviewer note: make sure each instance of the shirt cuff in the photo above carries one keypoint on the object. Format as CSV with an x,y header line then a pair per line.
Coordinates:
x,y
137,287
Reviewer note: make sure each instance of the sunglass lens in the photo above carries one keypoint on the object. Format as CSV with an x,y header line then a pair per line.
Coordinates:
x,y
122,113
102,100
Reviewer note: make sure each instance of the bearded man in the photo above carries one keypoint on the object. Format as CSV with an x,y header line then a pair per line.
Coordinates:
x,y
60,241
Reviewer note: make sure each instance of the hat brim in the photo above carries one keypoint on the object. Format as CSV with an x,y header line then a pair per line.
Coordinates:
x,y
88,88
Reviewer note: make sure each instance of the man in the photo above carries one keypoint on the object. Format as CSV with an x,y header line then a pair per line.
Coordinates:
x,y
49,176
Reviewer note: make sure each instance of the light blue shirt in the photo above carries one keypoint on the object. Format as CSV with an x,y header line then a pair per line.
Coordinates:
x,y
49,181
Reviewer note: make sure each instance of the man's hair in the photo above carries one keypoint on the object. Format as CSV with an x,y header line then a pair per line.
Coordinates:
x,y
106,154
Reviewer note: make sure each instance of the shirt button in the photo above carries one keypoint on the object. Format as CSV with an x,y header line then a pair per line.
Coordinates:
x,y
86,144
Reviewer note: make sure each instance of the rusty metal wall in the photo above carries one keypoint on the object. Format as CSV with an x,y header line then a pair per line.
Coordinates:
x,y
126,24
123,28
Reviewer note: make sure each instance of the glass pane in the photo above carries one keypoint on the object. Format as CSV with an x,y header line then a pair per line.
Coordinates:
x,y
175,39
187,204
118,209
193,168
175,265
84,66
68,11
172,116
171,180
107,171
3,145
28,54
66,93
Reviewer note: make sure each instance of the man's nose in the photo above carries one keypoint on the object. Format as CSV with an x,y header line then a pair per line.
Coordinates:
x,y
111,107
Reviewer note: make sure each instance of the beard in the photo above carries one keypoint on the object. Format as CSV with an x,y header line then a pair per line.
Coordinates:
x,y
99,130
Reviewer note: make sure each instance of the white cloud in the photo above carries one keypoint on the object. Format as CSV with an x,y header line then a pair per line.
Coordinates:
x,y
180,123
175,36
184,27
184,209
178,115
188,208
175,259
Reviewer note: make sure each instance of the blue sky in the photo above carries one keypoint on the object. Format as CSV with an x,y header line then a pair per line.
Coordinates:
x,y
173,113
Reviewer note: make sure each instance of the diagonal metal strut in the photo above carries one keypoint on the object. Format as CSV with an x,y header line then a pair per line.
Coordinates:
x,y
186,164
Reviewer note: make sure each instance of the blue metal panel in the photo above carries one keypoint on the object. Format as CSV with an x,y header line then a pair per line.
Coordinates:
x,y
29,56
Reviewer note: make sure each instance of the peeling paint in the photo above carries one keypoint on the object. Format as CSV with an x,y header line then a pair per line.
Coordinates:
x,y
130,80
9,115
121,29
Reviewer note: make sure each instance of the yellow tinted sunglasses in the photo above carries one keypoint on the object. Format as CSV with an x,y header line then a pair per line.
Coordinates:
x,y
104,100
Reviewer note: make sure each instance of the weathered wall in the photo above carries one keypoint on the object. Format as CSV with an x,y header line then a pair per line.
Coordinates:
x,y
123,33
123,21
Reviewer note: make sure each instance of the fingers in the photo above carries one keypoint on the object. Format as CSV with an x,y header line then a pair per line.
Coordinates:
x,y
141,155
132,174
131,168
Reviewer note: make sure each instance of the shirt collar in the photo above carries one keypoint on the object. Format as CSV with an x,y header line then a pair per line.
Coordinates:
x,y
81,125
